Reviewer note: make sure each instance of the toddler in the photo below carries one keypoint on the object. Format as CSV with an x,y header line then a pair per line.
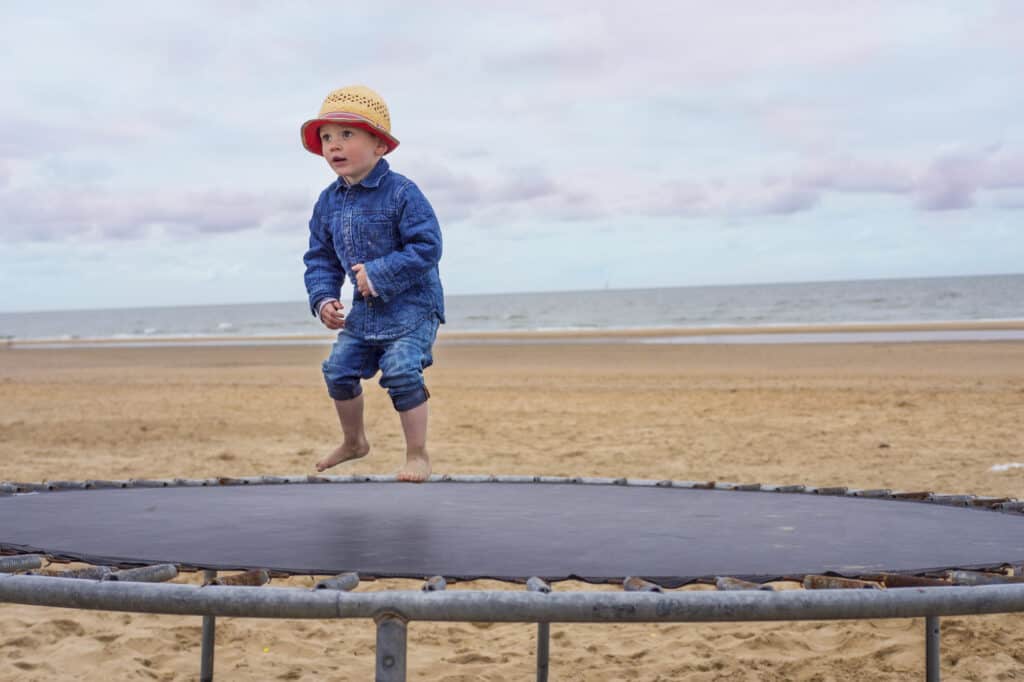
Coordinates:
x,y
375,227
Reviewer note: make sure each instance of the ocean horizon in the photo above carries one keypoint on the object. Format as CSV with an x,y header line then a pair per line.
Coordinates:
x,y
909,301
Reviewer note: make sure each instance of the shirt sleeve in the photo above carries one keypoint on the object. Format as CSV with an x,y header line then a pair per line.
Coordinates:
x,y
421,247
324,271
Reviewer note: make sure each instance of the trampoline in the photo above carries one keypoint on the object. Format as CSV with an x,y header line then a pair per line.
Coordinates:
x,y
650,536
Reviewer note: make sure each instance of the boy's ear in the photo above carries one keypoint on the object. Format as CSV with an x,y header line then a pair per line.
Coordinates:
x,y
382,148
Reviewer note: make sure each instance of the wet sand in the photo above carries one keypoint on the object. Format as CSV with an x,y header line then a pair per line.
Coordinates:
x,y
933,416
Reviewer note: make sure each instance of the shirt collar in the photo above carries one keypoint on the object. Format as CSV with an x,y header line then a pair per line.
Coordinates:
x,y
372,180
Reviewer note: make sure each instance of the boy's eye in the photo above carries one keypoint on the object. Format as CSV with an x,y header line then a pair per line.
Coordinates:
x,y
347,134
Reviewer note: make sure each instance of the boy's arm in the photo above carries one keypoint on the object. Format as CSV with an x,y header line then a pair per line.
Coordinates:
x,y
421,238
324,272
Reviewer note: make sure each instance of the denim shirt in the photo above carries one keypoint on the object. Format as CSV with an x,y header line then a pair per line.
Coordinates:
x,y
386,223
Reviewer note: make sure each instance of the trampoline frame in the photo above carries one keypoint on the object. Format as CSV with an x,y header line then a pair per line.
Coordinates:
x,y
641,602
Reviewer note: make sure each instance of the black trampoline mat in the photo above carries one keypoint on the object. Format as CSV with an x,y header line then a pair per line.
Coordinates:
x,y
508,531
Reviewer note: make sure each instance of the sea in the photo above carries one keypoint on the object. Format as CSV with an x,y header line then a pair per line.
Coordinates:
x,y
836,303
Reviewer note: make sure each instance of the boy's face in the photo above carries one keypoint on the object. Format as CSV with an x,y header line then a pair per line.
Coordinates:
x,y
350,152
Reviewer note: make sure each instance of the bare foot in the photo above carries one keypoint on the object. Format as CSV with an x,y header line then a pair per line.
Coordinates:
x,y
416,469
344,453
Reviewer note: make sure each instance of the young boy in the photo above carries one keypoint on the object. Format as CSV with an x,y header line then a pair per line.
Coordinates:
x,y
375,227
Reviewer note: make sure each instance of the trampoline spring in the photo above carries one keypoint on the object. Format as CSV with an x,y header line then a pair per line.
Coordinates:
x,y
913,495
158,573
982,578
832,582
784,488
227,480
195,482
514,478
952,500
835,490
989,502
703,485
65,485
878,492
101,484
87,573
30,487
24,562
435,583
1013,506
469,478
641,482
727,584
253,578
345,582
150,483
749,487
7,488
635,584
535,584
901,580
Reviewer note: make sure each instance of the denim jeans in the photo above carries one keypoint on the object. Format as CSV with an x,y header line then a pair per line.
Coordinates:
x,y
401,362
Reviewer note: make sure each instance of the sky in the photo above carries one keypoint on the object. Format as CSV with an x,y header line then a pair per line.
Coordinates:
x,y
150,152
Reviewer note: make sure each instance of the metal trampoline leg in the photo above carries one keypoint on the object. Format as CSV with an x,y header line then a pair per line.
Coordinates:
x,y
209,628
391,648
543,642
932,637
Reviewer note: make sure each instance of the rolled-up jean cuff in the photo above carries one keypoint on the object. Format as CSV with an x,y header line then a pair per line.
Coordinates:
x,y
344,391
408,400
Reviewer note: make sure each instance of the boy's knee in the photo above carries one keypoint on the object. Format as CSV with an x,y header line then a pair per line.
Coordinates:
x,y
341,385
344,390
405,399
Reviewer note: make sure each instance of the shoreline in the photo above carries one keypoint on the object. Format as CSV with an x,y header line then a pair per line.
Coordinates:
x,y
854,332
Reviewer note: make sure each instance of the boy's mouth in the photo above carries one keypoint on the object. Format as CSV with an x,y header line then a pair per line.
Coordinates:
x,y
338,159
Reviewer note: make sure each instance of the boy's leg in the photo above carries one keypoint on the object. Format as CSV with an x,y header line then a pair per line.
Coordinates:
x,y
355,445
402,366
417,461
351,360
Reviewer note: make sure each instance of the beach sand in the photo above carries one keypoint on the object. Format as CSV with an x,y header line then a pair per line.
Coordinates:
x,y
933,416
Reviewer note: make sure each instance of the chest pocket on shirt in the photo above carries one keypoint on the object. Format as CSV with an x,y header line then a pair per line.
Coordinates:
x,y
376,233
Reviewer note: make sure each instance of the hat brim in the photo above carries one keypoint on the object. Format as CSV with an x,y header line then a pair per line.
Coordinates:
x,y
311,131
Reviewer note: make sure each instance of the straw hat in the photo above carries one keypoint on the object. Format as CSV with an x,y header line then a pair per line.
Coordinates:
x,y
357,106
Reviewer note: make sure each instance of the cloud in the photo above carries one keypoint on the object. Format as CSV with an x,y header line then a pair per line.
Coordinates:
x,y
848,174
1004,172
949,183
34,216
524,184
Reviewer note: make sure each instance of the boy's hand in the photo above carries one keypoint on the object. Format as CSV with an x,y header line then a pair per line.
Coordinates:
x,y
362,280
331,315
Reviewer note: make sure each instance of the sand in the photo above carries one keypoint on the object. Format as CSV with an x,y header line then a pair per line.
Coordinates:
x,y
931,416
